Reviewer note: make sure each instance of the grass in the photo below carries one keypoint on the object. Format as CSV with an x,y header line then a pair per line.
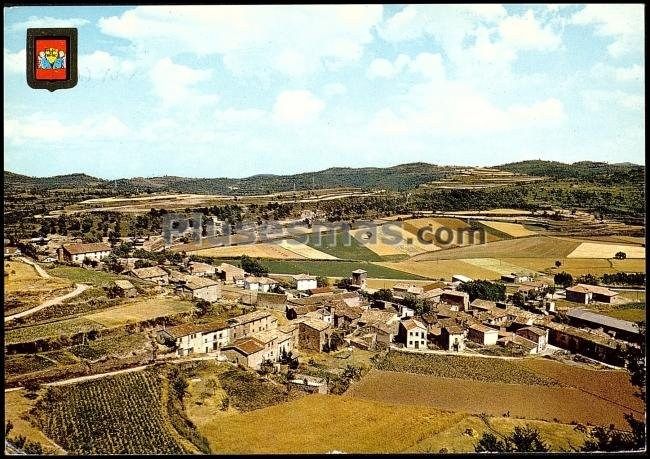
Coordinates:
x,y
66,327
633,314
342,246
119,343
24,288
324,423
248,392
17,408
139,311
86,276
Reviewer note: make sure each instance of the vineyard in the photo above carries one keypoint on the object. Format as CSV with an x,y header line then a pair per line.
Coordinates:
x,y
117,415
461,367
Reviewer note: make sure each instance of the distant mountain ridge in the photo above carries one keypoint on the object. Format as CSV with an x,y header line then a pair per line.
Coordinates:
x,y
400,177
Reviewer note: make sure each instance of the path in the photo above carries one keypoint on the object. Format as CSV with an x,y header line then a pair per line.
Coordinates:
x,y
80,288
41,272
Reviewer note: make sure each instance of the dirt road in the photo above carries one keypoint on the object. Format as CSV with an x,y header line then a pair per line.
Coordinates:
x,y
80,288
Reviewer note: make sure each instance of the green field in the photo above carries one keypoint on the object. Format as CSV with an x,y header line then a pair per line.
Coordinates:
x,y
63,327
342,247
86,276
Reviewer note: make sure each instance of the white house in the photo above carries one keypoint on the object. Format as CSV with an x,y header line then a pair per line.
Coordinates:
x,y
414,334
482,334
77,253
197,339
305,282
259,284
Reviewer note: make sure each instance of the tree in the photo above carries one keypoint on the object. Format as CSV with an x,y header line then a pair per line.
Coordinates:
x,y
521,440
484,290
518,299
620,255
558,263
253,266
266,367
564,279
589,279
202,307
113,264
383,294
143,264
322,281
33,447
8,426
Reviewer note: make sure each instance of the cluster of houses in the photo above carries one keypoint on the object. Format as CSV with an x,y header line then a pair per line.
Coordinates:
x,y
314,315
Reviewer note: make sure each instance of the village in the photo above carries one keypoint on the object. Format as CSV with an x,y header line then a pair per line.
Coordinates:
x,y
288,315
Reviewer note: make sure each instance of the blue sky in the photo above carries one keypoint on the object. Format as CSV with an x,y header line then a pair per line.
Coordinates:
x,y
213,91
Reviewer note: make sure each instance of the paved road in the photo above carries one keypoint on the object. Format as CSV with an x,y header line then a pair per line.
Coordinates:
x,y
58,300
41,272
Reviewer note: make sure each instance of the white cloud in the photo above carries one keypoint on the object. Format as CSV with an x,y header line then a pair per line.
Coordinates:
x,y
15,62
291,40
633,73
39,126
526,32
599,100
297,107
623,23
46,21
334,89
173,83
237,116
103,65
426,64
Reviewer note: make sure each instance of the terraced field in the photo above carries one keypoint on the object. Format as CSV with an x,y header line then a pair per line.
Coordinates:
x,y
303,250
447,232
599,250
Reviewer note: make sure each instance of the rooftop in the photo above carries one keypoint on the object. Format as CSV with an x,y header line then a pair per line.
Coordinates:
x,y
411,324
124,284
75,249
147,273
250,317
606,321
299,277
483,329
247,346
195,282
314,323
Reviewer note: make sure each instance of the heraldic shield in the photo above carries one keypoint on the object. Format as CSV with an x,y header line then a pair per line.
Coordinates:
x,y
52,58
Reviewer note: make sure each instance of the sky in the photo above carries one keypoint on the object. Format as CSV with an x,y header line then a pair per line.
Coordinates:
x,y
233,91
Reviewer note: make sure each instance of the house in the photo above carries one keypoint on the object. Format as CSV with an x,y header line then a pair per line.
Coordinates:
x,y
621,329
229,274
250,323
359,277
313,334
431,294
455,298
481,334
201,288
453,338
310,384
197,338
460,278
482,305
519,343
377,316
305,282
405,311
517,277
531,288
275,343
413,334
276,301
593,345
152,274
584,293
125,288
323,314
11,252
320,291
346,316
497,317
247,352
201,269
403,290
259,284
536,335
77,253
297,311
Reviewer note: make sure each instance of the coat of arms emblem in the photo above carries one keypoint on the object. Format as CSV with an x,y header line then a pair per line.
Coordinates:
x,y
51,58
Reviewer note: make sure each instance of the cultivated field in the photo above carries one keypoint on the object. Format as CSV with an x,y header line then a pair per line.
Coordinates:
x,y
443,269
550,403
140,310
511,229
599,250
579,266
122,414
325,423
341,245
303,250
24,288
336,268
452,232
262,250
498,266
66,327
380,243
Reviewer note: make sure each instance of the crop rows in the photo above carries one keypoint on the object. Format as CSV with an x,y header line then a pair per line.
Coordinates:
x,y
462,367
116,415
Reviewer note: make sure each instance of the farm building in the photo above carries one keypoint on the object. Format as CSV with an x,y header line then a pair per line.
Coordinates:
x,y
200,287
125,288
483,335
413,334
305,282
531,288
431,295
310,384
201,269
11,252
228,273
536,335
458,299
152,274
250,323
197,338
622,329
247,352
584,293
259,284
518,342
461,278
453,338
359,277
578,341
482,305
517,277
313,334
77,253
277,301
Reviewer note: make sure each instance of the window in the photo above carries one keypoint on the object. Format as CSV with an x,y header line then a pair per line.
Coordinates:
x,y
410,343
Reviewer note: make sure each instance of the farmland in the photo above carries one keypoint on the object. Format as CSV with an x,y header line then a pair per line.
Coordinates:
x,y
343,246
140,310
323,423
121,414
83,275
451,232
579,266
438,269
600,250
464,395
262,250
24,288
462,367
335,268
303,250
509,229
66,327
